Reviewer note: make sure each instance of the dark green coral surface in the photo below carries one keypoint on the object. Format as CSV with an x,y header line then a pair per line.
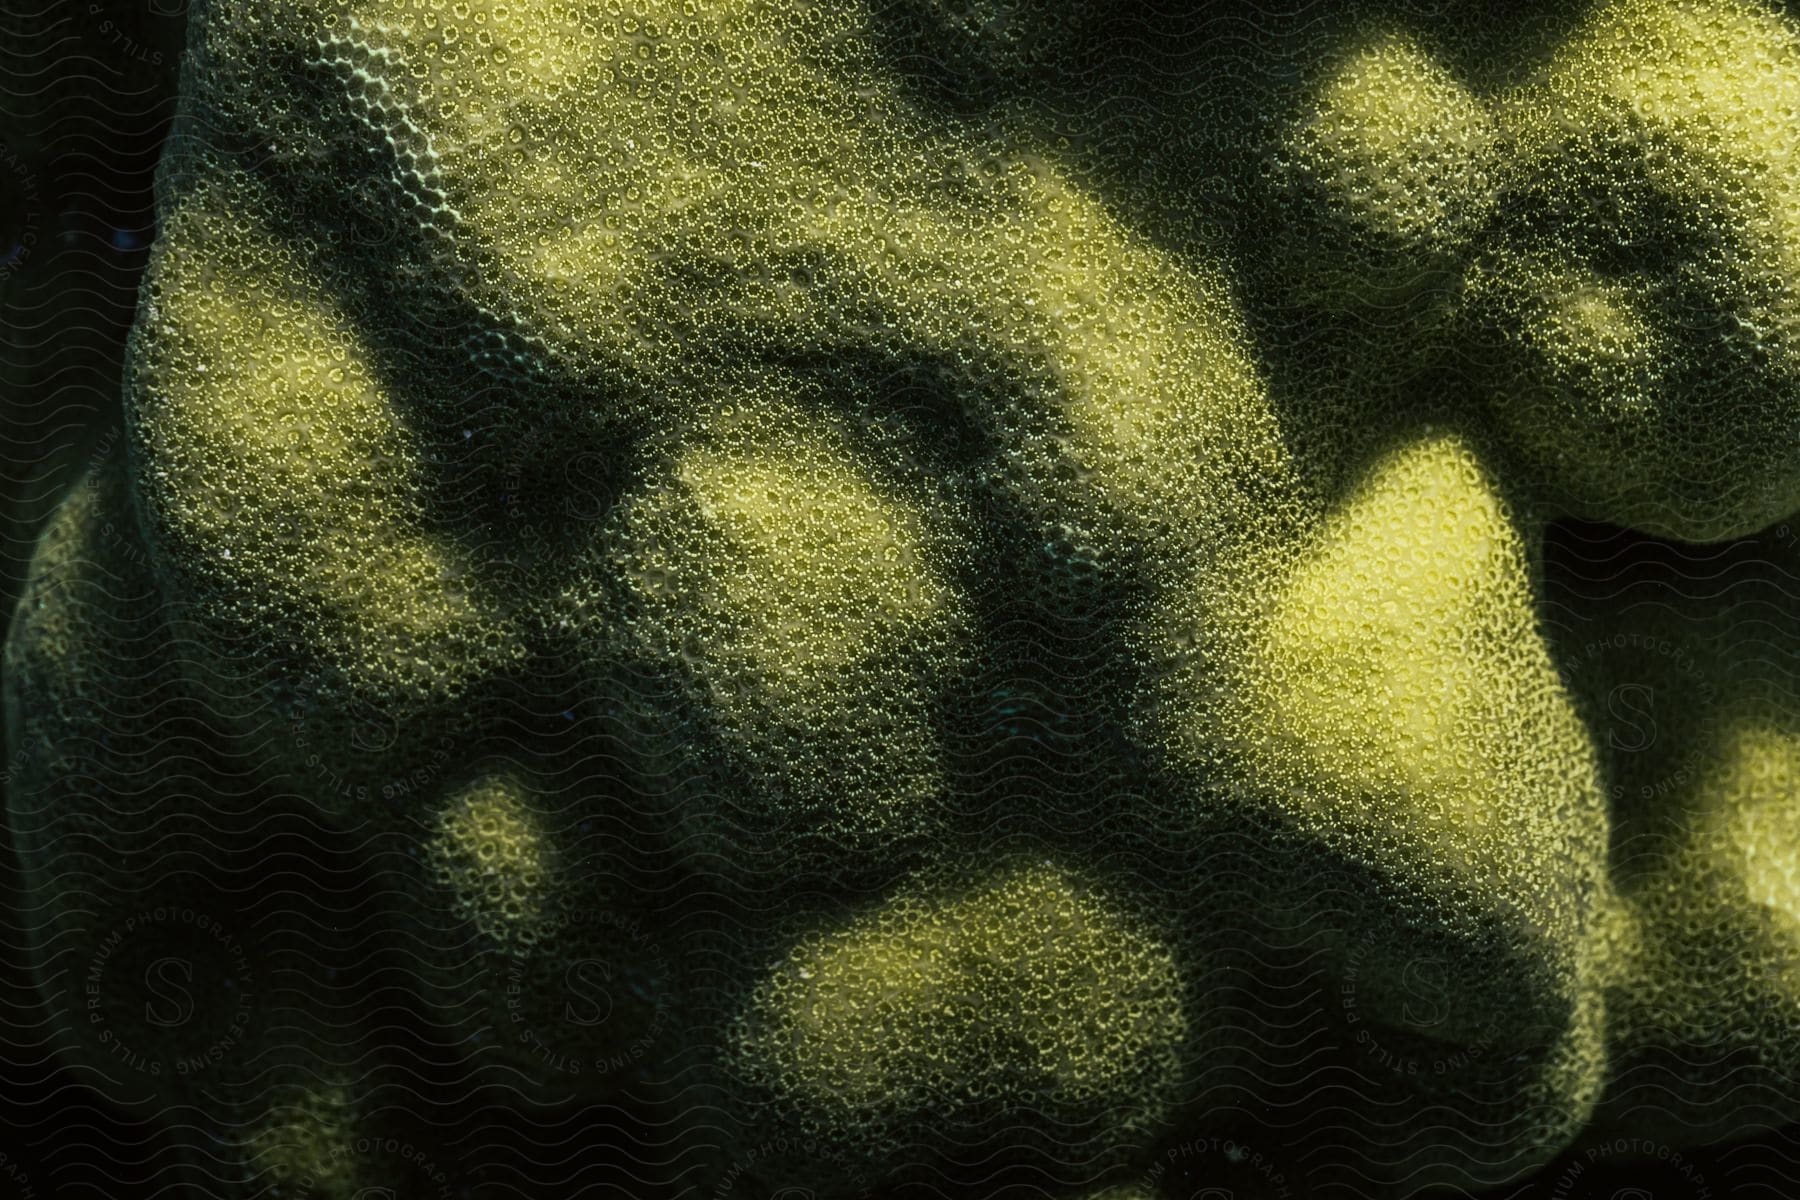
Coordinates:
x,y
799,599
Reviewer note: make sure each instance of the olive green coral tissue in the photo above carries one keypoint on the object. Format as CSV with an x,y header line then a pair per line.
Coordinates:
x,y
672,566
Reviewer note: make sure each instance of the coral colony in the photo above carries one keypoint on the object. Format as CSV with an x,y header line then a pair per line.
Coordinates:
x,y
935,588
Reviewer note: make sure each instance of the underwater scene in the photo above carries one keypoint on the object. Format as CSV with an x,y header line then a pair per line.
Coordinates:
x,y
900,599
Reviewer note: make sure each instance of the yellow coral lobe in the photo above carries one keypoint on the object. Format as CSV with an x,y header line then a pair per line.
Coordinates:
x,y
1708,1015
827,568
808,604
1719,78
1654,169
301,417
565,142
490,850
1395,143
1367,686
1734,881
275,462
308,1143
1756,791
1030,977
1721,81
1163,395
1402,632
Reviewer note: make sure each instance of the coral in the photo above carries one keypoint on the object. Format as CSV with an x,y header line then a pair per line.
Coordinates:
x,y
1396,165
882,620
1368,689
815,626
1639,281
491,853
1026,990
1691,694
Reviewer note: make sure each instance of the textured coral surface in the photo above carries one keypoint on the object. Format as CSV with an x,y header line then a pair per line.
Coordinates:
x,y
936,597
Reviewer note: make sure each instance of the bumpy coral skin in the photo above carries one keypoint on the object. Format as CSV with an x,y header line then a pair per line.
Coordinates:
x,y
1691,692
958,1000
969,595
1643,275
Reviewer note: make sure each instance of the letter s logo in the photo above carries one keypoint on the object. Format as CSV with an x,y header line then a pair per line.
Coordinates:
x,y
1424,981
1623,703
590,484
376,1193
587,979
372,730
159,982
